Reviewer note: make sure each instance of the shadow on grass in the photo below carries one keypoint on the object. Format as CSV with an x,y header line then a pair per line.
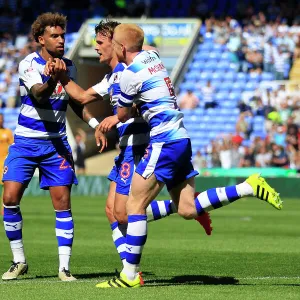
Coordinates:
x,y
84,276
193,280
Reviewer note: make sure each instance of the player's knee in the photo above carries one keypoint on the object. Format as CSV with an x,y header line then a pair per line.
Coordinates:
x,y
9,199
120,216
187,212
61,202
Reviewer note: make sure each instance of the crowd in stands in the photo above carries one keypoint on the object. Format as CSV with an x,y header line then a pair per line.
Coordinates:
x,y
277,146
255,46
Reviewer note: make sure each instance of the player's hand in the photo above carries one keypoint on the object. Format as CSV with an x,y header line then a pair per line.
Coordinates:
x,y
48,70
56,68
101,140
108,123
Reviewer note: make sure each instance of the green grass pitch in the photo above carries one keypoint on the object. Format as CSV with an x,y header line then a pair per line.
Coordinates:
x,y
252,254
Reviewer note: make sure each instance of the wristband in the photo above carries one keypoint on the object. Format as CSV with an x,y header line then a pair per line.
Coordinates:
x,y
93,123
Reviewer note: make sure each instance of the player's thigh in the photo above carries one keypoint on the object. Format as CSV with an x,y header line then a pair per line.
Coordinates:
x,y
110,200
183,197
18,168
120,208
60,196
143,191
13,192
57,170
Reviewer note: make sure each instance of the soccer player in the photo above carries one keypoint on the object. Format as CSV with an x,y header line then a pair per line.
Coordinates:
x,y
6,139
41,142
133,138
146,83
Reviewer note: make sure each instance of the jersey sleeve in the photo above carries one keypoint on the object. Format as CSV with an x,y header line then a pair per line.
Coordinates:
x,y
130,85
101,88
29,75
73,73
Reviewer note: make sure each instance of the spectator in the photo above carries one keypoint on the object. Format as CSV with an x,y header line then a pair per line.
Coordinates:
x,y
279,136
225,153
236,155
263,158
268,56
208,95
242,127
292,136
199,161
189,101
279,61
78,151
248,158
279,157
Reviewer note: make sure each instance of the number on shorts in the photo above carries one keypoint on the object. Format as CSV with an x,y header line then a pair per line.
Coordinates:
x,y
125,170
66,159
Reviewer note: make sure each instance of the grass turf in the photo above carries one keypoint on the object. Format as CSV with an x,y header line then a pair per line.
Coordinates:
x,y
252,254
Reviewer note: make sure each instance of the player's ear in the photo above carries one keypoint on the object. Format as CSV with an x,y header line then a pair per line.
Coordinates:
x,y
41,40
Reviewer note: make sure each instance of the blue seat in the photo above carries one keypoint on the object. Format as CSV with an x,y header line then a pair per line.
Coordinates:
x,y
196,66
216,83
223,65
237,86
205,47
201,56
218,48
259,120
221,96
234,96
217,75
201,83
188,85
267,76
205,75
253,77
226,56
230,75
192,75
242,76
198,111
225,86
259,127
228,104
213,56
209,66
250,86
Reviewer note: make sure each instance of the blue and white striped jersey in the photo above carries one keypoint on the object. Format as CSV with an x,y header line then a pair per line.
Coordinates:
x,y
135,131
146,82
47,120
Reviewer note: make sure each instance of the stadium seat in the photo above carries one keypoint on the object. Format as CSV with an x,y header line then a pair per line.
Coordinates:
x,y
267,76
242,76
253,77
250,86
205,75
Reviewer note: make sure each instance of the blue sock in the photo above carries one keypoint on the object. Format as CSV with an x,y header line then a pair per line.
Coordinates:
x,y
64,229
135,240
160,209
216,198
119,238
13,223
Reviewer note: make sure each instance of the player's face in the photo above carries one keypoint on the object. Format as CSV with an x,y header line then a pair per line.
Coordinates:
x,y
53,40
1,121
104,48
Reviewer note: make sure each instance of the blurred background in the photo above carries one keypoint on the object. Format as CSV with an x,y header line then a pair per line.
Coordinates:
x,y
235,66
